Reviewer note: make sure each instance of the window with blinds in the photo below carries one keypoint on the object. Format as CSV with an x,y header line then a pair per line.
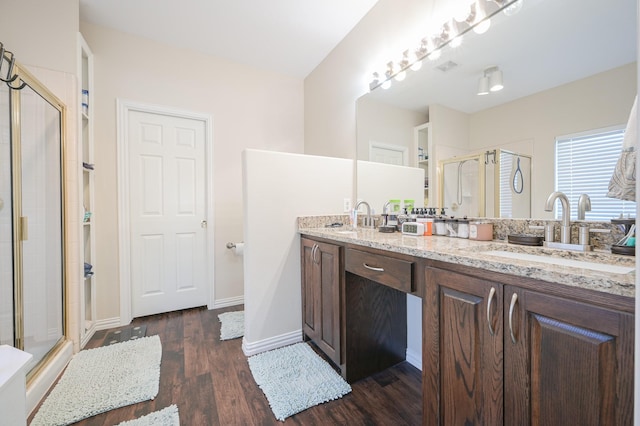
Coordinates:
x,y
584,165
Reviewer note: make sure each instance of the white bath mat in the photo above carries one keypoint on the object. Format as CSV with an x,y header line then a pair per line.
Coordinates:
x,y
165,417
232,325
101,379
295,378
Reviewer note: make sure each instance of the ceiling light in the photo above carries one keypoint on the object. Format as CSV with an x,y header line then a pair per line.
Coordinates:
x,y
495,81
483,86
386,84
490,81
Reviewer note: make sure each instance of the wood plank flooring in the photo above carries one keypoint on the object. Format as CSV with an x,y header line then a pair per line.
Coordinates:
x,y
211,383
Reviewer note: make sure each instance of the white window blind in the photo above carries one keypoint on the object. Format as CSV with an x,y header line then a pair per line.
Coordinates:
x,y
584,165
506,199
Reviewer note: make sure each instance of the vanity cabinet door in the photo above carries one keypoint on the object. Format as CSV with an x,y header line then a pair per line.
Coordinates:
x,y
566,362
321,286
463,350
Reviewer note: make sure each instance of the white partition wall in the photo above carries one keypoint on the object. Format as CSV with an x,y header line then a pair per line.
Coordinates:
x,y
277,188
379,183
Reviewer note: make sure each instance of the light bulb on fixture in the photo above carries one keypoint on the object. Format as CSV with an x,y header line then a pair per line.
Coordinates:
x,y
386,84
480,21
456,42
450,32
482,27
513,8
462,12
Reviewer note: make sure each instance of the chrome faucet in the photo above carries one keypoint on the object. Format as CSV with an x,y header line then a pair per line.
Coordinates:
x,y
367,222
565,233
584,205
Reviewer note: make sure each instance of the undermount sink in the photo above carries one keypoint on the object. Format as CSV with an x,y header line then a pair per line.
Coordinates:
x,y
602,262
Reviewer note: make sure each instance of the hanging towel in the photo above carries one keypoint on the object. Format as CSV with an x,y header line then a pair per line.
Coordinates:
x,y
623,181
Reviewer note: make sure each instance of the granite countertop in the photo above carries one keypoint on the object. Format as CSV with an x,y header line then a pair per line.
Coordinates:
x,y
616,275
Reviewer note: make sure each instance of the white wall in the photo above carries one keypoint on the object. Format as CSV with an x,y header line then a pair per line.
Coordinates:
x,y
279,187
41,33
251,108
379,183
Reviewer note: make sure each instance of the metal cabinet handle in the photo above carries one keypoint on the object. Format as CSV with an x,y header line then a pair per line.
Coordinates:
x,y
314,250
492,293
373,268
512,306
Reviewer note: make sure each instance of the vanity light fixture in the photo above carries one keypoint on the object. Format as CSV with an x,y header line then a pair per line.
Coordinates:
x,y
491,81
477,16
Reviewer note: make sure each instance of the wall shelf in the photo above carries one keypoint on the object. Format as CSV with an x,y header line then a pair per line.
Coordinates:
x,y
86,155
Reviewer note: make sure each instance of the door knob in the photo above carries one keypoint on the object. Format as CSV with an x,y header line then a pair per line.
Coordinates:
x,y
203,224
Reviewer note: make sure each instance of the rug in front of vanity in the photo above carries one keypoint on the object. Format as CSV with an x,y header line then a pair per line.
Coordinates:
x,y
294,378
101,379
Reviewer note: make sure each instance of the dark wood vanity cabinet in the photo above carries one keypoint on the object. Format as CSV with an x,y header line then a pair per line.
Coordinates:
x,y
322,283
497,354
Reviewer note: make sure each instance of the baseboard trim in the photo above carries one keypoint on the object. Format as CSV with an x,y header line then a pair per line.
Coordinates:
x,y
252,348
107,323
414,358
230,301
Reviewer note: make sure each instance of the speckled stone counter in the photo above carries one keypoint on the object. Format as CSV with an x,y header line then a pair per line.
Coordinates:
x,y
482,254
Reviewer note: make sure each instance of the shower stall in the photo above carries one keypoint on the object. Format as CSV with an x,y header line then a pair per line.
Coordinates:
x,y
488,184
32,273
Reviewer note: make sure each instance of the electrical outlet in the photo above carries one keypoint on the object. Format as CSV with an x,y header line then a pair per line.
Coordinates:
x,y
346,205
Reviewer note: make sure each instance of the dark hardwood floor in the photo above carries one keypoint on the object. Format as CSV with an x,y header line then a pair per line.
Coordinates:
x,y
210,382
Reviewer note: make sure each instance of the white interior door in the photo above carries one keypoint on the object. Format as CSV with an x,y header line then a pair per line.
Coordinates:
x,y
167,198
388,154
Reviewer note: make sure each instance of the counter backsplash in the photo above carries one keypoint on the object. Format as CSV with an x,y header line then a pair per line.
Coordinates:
x,y
602,234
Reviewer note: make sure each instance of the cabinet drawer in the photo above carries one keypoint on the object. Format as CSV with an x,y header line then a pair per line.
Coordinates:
x,y
385,270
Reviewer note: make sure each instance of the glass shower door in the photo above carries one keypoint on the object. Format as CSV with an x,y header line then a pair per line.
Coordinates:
x,y
7,313
41,207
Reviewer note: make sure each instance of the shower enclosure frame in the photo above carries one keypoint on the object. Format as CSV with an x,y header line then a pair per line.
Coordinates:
x,y
483,159
19,230
482,199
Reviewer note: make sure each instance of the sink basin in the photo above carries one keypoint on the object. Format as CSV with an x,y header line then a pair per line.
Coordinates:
x,y
585,263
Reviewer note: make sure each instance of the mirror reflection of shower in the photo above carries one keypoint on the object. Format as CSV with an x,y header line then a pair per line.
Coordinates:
x,y
494,183
461,192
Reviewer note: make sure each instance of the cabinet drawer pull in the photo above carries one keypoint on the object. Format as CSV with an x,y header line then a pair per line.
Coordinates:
x,y
512,306
373,268
314,250
492,293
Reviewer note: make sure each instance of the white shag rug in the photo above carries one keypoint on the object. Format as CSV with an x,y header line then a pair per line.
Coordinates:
x,y
101,379
165,417
294,378
231,325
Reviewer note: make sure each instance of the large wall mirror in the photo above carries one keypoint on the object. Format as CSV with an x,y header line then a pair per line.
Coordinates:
x,y
568,67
